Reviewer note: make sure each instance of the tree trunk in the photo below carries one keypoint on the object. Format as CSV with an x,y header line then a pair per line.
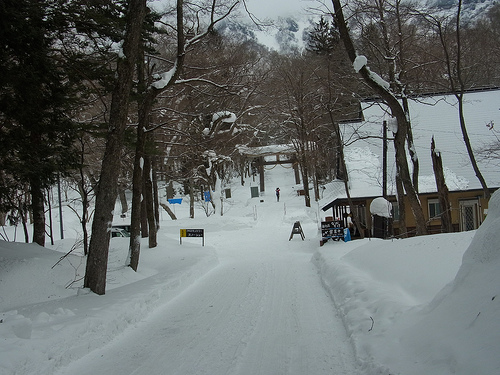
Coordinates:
x,y
135,216
296,171
38,209
403,230
444,201
468,146
242,173
137,227
455,73
411,147
305,174
305,179
97,261
395,82
316,188
144,215
85,219
156,198
85,203
123,200
191,198
169,211
404,175
149,201
397,111
49,211
261,174
24,216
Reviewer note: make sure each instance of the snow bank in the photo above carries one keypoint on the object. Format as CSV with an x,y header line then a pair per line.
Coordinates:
x,y
19,263
44,326
462,321
421,309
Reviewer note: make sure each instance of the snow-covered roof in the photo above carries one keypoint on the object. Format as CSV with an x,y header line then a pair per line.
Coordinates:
x,y
266,150
430,116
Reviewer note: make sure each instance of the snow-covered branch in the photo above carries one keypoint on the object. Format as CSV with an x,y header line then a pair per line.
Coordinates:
x,y
170,77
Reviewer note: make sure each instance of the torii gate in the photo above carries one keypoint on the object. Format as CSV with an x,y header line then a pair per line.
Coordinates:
x,y
259,153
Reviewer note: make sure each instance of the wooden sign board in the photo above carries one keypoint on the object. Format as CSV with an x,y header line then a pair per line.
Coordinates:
x,y
192,233
332,229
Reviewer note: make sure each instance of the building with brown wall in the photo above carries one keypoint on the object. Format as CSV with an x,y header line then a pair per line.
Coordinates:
x,y
431,117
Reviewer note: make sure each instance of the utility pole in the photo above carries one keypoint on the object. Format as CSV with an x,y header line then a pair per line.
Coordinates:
x,y
384,159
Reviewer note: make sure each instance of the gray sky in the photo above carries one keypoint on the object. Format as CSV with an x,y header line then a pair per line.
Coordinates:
x,y
274,8
263,9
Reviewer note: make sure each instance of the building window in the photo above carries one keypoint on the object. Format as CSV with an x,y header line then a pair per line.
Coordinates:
x,y
395,211
434,209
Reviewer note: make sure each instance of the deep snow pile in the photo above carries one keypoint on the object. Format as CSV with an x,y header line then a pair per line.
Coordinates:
x,y
45,326
408,313
402,302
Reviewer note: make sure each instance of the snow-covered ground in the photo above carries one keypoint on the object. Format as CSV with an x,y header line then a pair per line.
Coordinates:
x,y
251,301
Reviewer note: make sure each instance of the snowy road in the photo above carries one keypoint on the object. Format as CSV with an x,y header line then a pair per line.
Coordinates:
x,y
251,302
262,310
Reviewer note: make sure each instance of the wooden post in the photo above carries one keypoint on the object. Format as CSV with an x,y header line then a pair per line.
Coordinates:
x,y
261,173
444,201
296,171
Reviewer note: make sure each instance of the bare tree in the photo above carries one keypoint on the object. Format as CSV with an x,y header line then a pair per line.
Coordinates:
x,y
452,44
188,36
388,34
301,114
491,150
97,261
382,88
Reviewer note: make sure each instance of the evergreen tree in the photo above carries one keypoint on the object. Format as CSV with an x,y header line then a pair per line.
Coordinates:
x,y
324,38
36,98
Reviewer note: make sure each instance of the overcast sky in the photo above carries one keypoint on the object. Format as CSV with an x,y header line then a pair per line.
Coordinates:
x,y
263,9
275,8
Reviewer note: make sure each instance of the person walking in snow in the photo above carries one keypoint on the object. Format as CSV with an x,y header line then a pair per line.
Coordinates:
x,y
277,194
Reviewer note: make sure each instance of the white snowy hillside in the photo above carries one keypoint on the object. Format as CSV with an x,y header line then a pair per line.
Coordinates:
x,y
471,9
255,300
280,25
282,34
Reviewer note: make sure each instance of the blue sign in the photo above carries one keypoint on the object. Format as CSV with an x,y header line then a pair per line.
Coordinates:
x,y
347,234
175,200
207,196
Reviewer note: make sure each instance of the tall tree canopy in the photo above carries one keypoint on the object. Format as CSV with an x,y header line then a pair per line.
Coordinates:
x,y
36,98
